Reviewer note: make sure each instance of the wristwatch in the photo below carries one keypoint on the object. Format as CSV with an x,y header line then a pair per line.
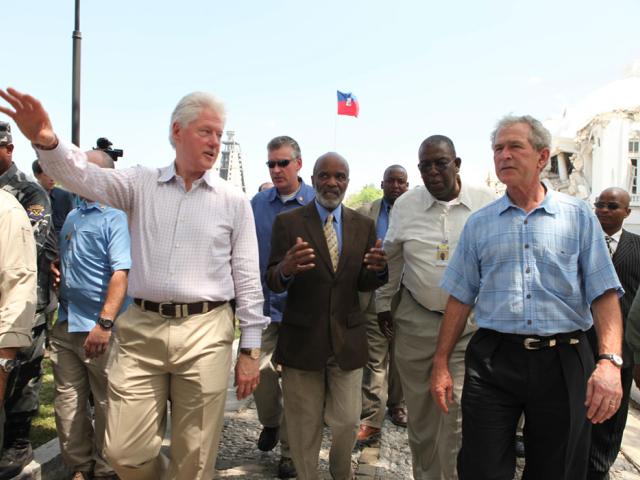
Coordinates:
x,y
252,352
105,323
7,364
612,357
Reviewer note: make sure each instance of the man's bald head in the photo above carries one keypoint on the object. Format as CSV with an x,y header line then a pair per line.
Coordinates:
x,y
620,194
331,156
100,159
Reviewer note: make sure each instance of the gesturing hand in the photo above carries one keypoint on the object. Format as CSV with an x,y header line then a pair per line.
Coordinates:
x,y
30,116
297,259
376,259
385,322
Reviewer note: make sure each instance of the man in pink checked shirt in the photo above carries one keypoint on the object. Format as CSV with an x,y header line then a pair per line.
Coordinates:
x,y
194,251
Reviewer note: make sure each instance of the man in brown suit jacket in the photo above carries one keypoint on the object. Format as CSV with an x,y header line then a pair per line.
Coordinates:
x,y
323,254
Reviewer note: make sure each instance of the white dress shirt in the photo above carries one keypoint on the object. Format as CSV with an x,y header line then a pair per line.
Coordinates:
x,y
421,228
186,246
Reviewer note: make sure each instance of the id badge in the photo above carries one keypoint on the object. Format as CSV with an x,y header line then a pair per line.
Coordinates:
x,y
442,254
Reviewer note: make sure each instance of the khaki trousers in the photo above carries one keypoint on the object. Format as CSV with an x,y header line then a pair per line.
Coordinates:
x,y
434,438
75,376
315,397
268,395
184,360
380,380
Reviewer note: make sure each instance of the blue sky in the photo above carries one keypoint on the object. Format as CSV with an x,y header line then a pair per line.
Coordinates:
x,y
418,68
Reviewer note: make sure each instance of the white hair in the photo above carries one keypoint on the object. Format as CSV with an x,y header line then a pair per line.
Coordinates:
x,y
189,108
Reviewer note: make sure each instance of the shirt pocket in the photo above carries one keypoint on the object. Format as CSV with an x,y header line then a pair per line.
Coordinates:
x,y
559,272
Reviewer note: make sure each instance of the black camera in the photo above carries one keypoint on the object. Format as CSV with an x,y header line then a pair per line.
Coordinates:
x,y
104,144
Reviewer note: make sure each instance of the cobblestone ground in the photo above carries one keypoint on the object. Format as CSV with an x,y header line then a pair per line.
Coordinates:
x,y
239,458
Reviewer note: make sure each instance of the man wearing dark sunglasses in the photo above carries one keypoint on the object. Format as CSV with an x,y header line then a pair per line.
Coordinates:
x,y
612,208
288,192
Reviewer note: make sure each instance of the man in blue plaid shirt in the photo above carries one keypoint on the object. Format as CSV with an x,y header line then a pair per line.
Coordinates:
x,y
534,266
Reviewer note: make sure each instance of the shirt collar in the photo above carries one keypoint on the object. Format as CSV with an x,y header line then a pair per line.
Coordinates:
x,y
463,197
85,205
549,203
301,194
324,213
167,173
616,236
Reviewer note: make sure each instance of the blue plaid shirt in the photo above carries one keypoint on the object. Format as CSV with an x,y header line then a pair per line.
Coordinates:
x,y
532,273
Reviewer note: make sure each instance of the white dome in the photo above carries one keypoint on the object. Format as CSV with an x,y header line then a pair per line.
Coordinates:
x,y
621,94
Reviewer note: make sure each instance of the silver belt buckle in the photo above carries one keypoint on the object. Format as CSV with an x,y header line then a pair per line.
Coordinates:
x,y
160,305
528,343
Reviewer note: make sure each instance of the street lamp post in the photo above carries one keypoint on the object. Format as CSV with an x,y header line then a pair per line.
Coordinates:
x,y
75,86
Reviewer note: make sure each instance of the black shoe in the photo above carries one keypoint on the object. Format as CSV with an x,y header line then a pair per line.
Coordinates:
x,y
13,461
268,438
286,468
519,446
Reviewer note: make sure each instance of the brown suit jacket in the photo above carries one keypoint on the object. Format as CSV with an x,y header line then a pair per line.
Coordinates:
x,y
322,316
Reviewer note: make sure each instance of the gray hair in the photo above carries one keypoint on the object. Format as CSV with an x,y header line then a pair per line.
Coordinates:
x,y
190,106
539,136
285,141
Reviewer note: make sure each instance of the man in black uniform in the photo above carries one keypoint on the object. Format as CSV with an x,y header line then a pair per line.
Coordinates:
x,y
23,388
62,201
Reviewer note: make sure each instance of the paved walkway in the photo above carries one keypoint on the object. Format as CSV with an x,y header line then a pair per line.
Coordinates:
x,y
239,457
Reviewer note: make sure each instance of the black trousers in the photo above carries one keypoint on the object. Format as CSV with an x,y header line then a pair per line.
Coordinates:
x,y
606,437
504,380
23,391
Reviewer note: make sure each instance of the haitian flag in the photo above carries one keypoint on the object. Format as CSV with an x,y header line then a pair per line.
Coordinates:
x,y
348,104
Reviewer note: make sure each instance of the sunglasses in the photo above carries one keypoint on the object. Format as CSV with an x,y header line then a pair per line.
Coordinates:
x,y
441,165
280,163
607,205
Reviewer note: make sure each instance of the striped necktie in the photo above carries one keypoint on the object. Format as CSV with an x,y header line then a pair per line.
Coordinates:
x,y
608,239
332,241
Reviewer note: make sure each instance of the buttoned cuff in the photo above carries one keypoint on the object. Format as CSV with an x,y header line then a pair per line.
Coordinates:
x,y
251,337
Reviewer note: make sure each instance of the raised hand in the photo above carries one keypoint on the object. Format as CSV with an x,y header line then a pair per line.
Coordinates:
x,y
298,258
30,117
376,258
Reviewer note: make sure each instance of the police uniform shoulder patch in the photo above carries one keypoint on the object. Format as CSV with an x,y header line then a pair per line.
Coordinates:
x,y
35,212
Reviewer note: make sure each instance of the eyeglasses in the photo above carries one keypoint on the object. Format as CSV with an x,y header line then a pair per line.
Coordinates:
x,y
607,205
441,165
280,163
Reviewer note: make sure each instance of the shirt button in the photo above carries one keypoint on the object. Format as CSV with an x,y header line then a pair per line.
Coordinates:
x,y
528,295
527,270
526,221
526,245
528,322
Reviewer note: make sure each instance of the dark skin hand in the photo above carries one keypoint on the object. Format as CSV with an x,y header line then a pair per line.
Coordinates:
x,y
376,259
298,258
385,322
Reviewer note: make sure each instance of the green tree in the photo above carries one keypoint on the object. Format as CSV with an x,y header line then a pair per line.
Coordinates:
x,y
367,194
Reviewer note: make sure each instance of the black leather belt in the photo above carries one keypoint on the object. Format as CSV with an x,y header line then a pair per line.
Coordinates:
x,y
535,342
177,310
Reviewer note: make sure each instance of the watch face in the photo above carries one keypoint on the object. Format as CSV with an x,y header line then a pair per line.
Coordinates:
x,y
104,323
7,364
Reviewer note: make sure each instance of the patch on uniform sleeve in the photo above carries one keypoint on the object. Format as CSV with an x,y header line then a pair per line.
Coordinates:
x,y
35,212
